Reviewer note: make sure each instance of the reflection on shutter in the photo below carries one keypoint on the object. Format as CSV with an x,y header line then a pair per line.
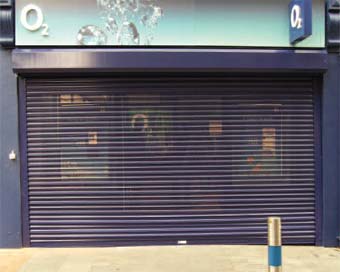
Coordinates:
x,y
160,161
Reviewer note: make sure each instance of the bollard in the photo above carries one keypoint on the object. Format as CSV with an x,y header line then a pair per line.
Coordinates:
x,y
274,245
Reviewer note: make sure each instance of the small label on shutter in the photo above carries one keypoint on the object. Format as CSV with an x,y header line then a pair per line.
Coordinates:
x,y
182,242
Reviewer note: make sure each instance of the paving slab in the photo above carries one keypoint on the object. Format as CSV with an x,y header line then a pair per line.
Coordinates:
x,y
167,259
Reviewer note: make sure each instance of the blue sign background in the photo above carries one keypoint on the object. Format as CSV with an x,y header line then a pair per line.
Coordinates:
x,y
303,27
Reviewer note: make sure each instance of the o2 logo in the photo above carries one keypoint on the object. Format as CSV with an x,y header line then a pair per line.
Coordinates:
x,y
300,20
295,17
39,21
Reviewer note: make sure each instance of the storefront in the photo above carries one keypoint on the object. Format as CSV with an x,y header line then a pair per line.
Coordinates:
x,y
141,123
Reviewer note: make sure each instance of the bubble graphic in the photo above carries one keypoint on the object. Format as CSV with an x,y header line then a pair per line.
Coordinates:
x,y
124,6
91,35
111,25
130,21
128,34
104,3
151,17
156,16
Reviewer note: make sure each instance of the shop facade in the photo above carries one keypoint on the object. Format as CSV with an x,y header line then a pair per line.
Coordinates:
x,y
130,131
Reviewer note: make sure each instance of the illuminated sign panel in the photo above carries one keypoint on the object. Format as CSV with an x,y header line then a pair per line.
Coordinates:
x,y
117,23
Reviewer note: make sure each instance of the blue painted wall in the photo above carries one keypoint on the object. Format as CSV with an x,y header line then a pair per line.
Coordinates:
x,y
331,152
10,211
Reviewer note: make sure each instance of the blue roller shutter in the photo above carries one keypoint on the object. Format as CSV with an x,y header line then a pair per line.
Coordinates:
x,y
158,161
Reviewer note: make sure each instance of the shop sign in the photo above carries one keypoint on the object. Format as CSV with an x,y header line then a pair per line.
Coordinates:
x,y
145,23
300,18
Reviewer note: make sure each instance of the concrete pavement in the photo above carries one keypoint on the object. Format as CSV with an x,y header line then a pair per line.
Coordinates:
x,y
167,259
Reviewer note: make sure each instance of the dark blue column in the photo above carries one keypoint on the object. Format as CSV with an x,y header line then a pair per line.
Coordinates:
x,y
336,63
10,210
331,152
